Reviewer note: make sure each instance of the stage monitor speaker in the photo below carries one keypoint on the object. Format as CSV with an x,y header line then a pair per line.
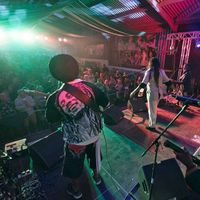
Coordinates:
x,y
112,115
48,151
138,105
169,182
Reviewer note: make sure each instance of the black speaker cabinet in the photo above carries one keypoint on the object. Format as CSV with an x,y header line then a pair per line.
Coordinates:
x,y
48,151
138,105
112,115
168,183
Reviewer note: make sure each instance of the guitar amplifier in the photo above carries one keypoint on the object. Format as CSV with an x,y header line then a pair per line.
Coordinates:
x,y
15,146
19,160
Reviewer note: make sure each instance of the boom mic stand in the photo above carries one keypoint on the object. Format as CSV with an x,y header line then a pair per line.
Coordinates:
x,y
156,142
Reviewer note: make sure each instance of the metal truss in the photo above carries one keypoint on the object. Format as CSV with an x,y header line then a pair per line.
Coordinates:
x,y
162,45
187,38
166,39
183,35
185,52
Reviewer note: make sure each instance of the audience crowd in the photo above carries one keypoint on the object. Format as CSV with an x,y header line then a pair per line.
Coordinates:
x,y
25,84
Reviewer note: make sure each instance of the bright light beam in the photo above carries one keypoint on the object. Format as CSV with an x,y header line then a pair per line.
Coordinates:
x,y
28,37
2,34
14,34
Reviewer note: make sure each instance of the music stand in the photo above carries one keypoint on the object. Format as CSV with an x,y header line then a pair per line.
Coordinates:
x,y
156,142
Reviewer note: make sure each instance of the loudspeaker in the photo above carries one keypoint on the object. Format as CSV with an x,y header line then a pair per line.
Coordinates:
x,y
168,183
48,151
112,115
138,105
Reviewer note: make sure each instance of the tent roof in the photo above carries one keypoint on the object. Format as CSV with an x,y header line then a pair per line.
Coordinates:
x,y
116,17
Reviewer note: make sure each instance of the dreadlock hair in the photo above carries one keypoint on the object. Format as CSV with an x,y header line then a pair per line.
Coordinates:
x,y
154,64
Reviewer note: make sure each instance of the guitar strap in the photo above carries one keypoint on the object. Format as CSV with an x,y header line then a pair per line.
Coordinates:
x,y
76,92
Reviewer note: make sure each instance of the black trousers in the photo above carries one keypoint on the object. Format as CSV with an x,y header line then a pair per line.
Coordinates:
x,y
74,160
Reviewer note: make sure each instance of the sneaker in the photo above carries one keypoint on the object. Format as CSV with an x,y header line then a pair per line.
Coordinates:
x,y
97,180
74,194
151,128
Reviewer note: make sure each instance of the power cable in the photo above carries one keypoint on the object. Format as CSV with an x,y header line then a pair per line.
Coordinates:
x,y
111,171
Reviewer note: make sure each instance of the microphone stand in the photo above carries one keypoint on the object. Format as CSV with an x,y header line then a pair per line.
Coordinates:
x,y
156,142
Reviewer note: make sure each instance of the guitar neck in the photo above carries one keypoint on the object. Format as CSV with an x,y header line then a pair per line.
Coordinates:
x,y
177,148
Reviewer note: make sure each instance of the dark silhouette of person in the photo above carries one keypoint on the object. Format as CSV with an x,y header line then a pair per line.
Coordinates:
x,y
81,124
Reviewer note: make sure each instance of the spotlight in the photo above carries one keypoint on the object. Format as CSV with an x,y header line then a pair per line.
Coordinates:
x,y
28,36
198,43
65,40
60,39
14,34
37,37
172,45
2,34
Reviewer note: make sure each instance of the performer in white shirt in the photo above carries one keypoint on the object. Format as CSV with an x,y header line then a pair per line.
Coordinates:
x,y
153,79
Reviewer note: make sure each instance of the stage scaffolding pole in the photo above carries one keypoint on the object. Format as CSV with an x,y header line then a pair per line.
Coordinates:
x,y
187,38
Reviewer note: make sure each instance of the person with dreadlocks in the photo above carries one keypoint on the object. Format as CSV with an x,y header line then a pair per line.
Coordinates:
x,y
153,79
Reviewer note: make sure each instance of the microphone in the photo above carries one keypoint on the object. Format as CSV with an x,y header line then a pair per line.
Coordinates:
x,y
179,149
188,100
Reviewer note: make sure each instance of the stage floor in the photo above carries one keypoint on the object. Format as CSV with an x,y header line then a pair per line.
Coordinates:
x,y
122,147
184,131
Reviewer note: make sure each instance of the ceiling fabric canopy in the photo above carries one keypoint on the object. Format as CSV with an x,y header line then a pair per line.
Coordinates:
x,y
81,14
109,16
114,17
17,13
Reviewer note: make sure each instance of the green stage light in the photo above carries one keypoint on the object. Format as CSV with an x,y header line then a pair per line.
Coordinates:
x,y
37,37
14,34
2,34
28,37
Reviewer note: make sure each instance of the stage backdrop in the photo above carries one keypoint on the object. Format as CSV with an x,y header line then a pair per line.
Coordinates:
x,y
130,52
135,52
